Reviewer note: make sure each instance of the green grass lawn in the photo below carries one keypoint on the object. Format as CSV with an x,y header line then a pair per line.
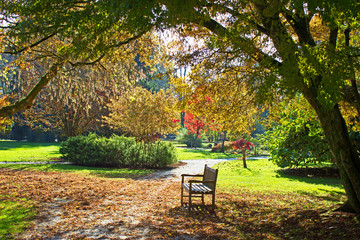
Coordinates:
x,y
14,217
12,151
265,177
190,154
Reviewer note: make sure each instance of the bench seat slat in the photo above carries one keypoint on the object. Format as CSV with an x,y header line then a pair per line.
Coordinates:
x,y
197,187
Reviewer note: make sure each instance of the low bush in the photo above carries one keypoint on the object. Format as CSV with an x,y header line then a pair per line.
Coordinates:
x,y
184,136
228,147
117,151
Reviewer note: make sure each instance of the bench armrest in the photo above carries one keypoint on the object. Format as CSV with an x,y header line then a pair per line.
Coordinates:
x,y
190,175
200,181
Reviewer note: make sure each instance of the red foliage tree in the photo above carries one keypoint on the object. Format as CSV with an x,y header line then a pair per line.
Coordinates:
x,y
242,144
194,125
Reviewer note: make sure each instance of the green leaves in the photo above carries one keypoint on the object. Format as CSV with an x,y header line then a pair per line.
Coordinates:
x,y
117,151
296,138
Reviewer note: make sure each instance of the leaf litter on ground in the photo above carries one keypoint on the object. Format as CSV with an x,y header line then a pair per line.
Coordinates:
x,y
71,206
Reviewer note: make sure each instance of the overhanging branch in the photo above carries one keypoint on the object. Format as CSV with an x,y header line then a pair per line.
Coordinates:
x,y
27,101
245,45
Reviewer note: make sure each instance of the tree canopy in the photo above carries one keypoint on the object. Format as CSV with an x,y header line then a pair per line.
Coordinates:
x,y
289,46
143,114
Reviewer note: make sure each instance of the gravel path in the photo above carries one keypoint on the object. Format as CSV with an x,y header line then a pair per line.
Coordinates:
x,y
190,167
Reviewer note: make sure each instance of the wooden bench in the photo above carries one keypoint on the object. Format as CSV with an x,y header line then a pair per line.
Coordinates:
x,y
198,188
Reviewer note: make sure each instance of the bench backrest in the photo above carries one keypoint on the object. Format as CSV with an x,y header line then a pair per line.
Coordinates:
x,y
211,175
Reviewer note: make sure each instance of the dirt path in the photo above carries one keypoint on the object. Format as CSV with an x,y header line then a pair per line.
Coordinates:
x,y
190,167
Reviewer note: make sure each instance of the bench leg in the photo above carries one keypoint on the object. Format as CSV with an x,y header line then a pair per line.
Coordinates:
x,y
202,199
182,196
190,201
213,200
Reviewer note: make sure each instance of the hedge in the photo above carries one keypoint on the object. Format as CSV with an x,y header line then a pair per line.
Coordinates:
x,y
117,151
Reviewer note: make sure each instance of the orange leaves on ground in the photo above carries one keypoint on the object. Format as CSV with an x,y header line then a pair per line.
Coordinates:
x,y
74,206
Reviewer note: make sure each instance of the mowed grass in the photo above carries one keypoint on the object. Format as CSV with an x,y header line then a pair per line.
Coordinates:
x,y
191,154
14,217
262,176
12,151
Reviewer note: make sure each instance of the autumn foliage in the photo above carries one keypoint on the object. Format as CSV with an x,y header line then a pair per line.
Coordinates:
x,y
4,122
143,114
194,124
241,143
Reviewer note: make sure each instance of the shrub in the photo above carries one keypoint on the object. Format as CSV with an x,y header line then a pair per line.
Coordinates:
x,y
227,145
298,147
117,151
184,136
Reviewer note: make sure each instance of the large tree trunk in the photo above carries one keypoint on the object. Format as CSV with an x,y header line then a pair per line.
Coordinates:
x,y
345,156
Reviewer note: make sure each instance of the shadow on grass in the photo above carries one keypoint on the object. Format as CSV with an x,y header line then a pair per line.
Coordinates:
x,y
241,219
14,217
309,178
90,171
331,195
6,145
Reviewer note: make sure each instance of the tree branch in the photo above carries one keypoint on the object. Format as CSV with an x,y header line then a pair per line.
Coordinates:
x,y
300,26
30,46
245,45
27,101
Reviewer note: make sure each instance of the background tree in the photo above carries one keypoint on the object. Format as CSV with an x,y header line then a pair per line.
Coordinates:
x,y
84,32
195,127
73,103
75,100
220,97
143,114
242,145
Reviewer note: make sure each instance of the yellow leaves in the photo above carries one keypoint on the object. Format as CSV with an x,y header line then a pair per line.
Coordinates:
x,y
350,115
318,29
4,122
221,98
143,114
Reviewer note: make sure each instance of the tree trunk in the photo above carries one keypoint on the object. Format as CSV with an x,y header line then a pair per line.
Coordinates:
x,y
223,142
345,156
244,156
27,101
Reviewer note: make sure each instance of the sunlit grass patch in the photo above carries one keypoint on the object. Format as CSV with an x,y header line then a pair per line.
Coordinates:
x,y
12,151
14,217
190,154
263,176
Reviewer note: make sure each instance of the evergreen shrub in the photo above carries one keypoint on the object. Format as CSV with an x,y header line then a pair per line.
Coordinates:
x,y
117,151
